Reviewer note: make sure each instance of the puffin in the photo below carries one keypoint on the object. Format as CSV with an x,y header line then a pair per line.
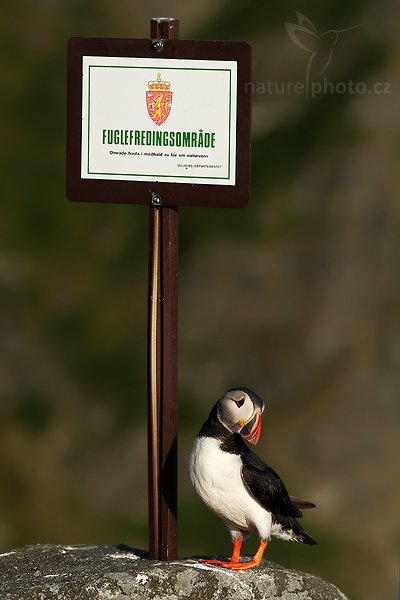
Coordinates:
x,y
237,485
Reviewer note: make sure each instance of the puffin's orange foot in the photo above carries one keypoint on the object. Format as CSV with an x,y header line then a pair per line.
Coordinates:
x,y
252,563
242,566
222,563
227,564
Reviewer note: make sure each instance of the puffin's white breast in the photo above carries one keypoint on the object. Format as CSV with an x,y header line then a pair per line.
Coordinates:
x,y
216,477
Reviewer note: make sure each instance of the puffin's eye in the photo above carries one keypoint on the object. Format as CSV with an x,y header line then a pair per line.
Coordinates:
x,y
239,403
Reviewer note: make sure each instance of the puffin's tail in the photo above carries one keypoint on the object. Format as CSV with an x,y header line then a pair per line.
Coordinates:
x,y
306,539
291,527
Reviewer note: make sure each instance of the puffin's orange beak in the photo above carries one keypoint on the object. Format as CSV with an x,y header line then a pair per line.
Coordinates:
x,y
251,431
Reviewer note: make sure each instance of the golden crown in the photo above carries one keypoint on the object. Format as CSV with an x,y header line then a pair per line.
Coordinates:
x,y
159,86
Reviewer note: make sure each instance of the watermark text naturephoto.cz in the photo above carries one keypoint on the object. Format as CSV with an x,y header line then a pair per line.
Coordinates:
x,y
316,88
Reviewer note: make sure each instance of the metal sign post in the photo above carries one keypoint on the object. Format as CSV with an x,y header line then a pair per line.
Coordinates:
x,y
166,123
162,360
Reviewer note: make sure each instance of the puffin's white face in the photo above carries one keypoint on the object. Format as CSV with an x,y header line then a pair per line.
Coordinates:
x,y
240,412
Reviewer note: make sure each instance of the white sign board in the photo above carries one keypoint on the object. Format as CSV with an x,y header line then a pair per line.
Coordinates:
x,y
170,120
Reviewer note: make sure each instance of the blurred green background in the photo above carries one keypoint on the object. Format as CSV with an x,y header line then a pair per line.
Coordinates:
x,y
297,297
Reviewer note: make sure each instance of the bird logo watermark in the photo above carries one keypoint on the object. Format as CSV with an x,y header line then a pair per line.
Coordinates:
x,y
321,49
320,46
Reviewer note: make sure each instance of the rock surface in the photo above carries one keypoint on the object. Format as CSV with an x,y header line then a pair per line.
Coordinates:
x,y
45,572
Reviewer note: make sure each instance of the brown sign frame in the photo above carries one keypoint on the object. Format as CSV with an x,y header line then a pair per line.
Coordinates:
x,y
143,192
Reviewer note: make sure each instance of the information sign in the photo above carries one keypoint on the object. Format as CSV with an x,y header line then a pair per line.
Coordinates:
x,y
149,120
172,123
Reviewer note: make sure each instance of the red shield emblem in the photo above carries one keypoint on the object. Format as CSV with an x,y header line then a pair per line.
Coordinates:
x,y
159,100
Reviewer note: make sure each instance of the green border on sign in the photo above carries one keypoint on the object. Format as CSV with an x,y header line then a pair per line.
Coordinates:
x,y
163,68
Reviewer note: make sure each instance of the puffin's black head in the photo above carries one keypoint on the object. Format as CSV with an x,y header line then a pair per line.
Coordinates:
x,y
239,410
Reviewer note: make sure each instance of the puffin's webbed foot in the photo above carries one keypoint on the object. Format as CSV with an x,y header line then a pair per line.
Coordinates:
x,y
235,558
222,563
238,566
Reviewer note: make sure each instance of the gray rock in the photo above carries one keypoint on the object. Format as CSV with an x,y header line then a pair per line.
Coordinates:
x,y
45,572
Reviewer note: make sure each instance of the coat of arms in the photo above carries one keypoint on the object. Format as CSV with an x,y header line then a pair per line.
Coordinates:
x,y
159,100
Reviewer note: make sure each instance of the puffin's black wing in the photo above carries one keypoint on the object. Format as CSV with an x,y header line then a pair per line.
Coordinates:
x,y
265,485
299,503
